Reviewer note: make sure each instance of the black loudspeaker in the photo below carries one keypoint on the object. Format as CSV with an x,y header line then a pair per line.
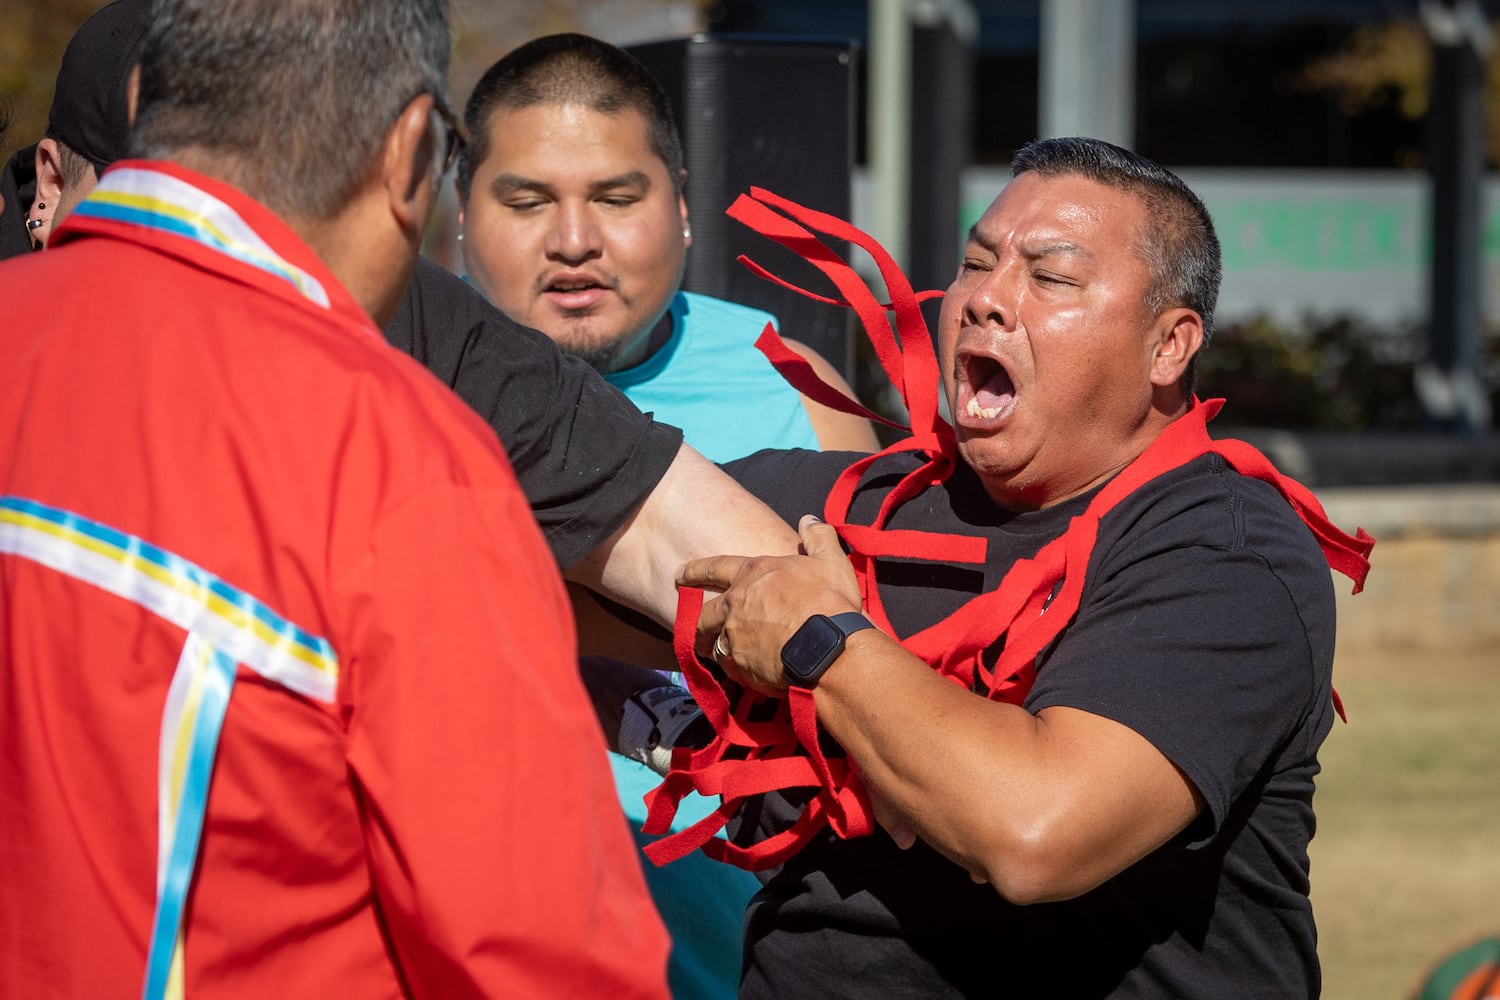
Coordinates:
x,y
941,123
772,112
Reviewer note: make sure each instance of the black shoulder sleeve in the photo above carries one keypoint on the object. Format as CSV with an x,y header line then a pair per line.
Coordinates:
x,y
584,455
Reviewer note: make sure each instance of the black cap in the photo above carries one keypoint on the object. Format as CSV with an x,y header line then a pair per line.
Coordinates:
x,y
89,106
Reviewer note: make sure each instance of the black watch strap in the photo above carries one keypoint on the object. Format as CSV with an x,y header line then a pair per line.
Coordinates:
x,y
812,648
851,622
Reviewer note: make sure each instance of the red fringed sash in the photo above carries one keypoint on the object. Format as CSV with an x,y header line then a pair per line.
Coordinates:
x,y
763,745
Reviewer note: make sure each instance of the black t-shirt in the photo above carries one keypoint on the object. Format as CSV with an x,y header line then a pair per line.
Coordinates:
x,y
1206,625
584,455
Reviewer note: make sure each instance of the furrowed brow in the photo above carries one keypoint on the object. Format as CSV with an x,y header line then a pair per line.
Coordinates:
x,y
1056,248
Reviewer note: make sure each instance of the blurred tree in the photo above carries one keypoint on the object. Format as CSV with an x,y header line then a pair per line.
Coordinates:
x,y
33,34
1323,374
1391,64
483,31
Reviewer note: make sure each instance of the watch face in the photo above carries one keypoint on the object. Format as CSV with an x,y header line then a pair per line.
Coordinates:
x,y
811,648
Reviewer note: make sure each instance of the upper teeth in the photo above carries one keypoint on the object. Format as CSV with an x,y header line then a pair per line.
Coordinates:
x,y
988,413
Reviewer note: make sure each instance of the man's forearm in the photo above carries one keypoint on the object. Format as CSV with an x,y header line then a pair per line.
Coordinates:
x,y
1044,806
696,510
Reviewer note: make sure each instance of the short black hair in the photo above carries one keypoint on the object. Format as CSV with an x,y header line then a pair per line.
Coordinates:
x,y
570,69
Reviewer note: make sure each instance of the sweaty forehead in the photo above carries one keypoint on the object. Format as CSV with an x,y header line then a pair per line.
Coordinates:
x,y
1064,214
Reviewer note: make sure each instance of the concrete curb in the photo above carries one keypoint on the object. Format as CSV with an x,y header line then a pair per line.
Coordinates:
x,y
1459,510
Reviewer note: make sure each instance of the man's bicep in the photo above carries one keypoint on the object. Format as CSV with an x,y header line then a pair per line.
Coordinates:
x,y
1201,652
1123,796
696,510
584,455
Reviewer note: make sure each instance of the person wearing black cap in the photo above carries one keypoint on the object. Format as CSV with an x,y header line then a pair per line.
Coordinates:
x,y
87,126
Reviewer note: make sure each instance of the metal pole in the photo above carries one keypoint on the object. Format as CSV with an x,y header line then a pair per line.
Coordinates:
x,y
889,123
943,35
1450,381
1088,69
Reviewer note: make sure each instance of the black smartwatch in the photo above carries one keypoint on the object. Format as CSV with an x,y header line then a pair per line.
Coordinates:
x,y
812,648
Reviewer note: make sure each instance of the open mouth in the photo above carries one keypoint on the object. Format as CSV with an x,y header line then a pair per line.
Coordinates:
x,y
991,391
575,292
565,286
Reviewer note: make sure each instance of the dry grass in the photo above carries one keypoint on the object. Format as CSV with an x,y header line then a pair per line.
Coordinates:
x,y
1405,862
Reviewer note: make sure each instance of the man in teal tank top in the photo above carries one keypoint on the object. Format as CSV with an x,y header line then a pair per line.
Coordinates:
x,y
575,224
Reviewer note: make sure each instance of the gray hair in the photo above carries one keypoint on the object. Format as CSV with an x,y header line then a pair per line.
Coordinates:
x,y
293,98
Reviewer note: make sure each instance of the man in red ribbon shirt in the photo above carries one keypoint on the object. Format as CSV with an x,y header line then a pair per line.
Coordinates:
x,y
288,668
1094,747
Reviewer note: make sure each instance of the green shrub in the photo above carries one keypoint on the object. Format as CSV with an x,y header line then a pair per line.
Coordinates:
x,y
1332,375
